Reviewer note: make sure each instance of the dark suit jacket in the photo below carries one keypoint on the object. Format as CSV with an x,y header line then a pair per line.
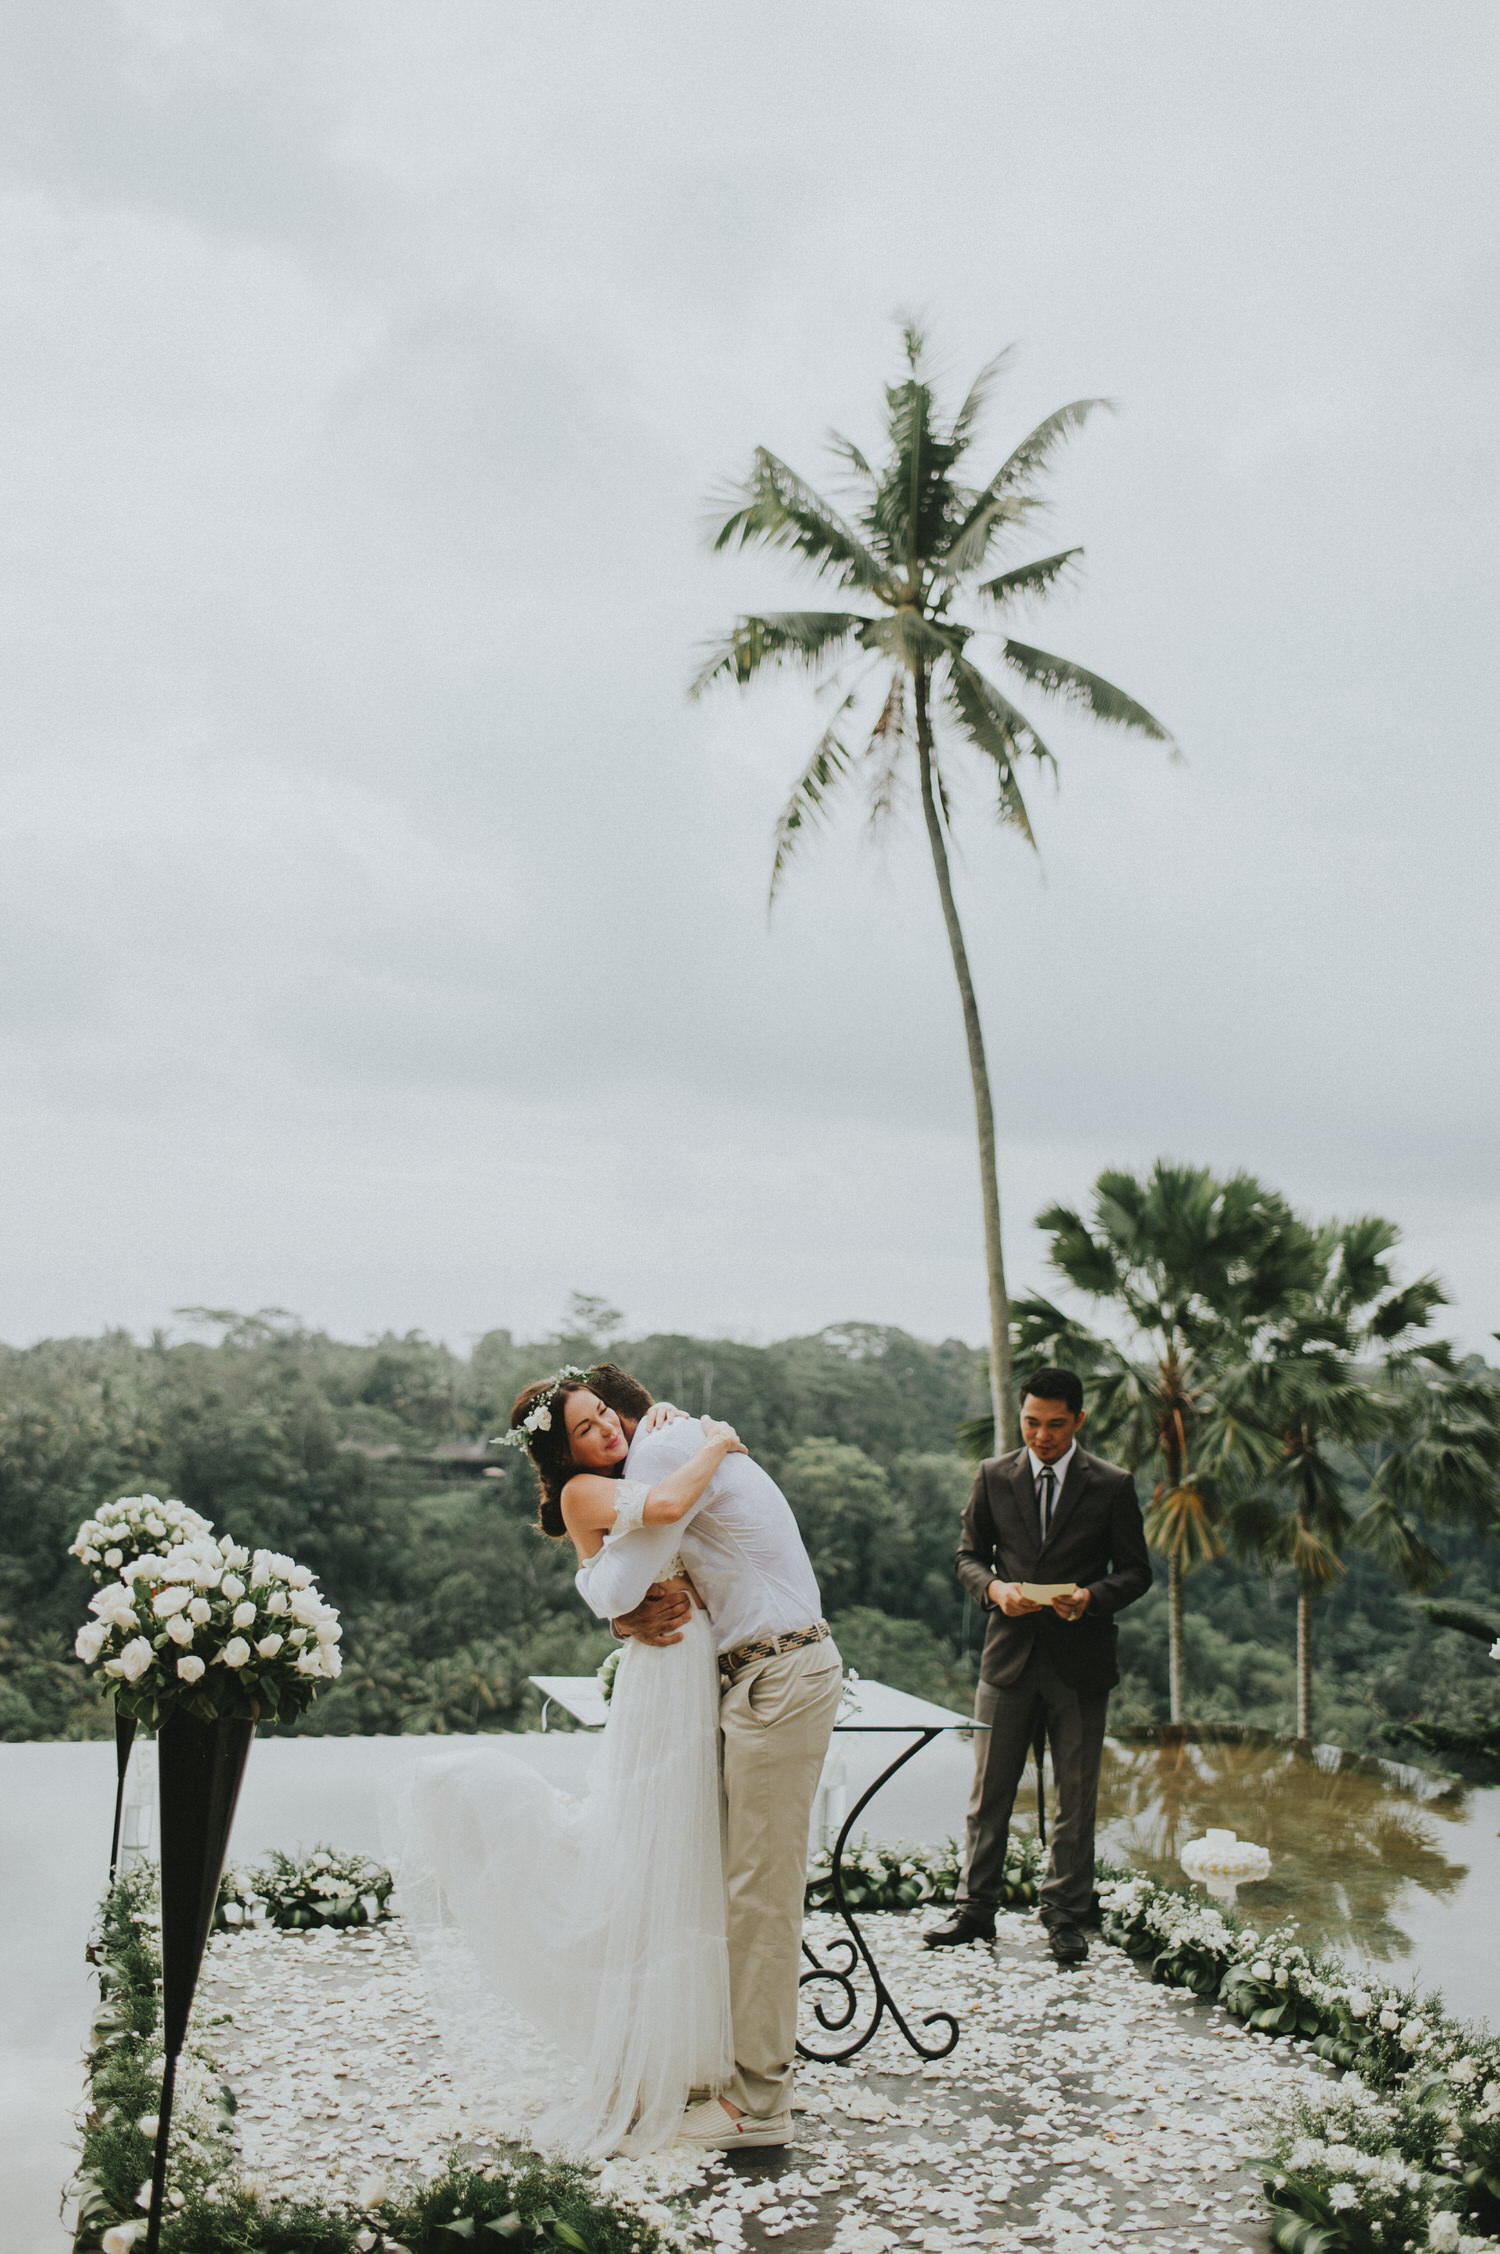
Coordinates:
x,y
1095,1539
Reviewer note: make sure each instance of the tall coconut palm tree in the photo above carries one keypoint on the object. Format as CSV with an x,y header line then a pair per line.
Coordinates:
x,y
1323,1385
1196,1268
917,552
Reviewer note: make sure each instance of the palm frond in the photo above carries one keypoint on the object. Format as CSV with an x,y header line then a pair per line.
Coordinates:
x,y
1028,579
778,509
1391,1537
994,726
789,637
1182,1523
845,450
807,806
1004,498
977,399
1074,684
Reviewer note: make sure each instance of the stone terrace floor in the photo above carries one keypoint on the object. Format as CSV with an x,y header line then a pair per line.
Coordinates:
x,y
1080,2109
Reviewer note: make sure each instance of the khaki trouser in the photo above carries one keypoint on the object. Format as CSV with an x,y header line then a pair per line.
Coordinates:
x,y
775,1722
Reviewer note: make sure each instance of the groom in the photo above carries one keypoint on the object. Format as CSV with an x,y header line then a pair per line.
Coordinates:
x,y
780,1681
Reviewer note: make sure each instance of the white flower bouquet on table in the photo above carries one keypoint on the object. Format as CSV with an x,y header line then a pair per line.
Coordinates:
x,y
215,1629
127,1528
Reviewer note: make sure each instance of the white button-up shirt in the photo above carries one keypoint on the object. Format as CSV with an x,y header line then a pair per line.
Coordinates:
x,y
1059,1471
740,1545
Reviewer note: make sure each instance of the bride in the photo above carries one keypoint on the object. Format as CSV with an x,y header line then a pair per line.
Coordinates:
x,y
601,1921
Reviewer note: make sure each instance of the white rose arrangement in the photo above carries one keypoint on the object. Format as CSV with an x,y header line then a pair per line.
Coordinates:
x,y
131,1526
212,1627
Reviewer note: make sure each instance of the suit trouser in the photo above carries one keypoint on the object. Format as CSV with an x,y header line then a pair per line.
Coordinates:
x,y
775,1721
1075,1729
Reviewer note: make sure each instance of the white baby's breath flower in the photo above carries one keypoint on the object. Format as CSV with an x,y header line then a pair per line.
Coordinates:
x,y
190,1667
243,1615
236,1652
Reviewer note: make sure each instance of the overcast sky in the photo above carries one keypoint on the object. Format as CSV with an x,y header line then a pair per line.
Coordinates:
x,y
384,932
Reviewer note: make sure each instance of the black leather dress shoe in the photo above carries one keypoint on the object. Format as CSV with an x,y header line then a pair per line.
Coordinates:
x,y
964,1925
1067,1944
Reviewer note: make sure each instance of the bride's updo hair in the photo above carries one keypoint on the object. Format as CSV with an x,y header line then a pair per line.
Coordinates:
x,y
548,1448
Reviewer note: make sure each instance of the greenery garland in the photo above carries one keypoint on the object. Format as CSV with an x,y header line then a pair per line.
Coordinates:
x,y
1404,2151
525,2206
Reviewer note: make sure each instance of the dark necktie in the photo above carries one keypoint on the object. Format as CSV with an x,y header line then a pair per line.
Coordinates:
x,y
1045,1489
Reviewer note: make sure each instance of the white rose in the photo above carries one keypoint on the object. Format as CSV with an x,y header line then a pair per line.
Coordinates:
x,y
190,1667
233,1587
320,1861
167,1601
120,2237
1443,2234
180,1629
114,1558
243,1615
1495,1648
236,1652
333,1661
134,1659
148,2125
269,1646
297,1577
89,1641
297,1636
329,1633
1260,1970
1359,2004
200,1610
1390,2020
113,1604
231,1552
310,1662
307,1609
1342,2195
278,1601
1464,2072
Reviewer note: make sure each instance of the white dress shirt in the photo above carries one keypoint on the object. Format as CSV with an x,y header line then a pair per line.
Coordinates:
x,y
1059,1471
740,1546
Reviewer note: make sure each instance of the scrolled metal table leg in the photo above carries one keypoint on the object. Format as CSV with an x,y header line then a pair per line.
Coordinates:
x,y
857,1951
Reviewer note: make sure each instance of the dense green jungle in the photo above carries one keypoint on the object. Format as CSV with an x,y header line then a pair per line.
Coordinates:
x,y
368,1463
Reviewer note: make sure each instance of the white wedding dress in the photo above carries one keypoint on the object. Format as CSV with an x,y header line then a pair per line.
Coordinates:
x,y
596,1923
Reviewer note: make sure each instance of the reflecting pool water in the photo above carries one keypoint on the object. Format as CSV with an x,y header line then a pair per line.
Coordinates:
x,y
1394,1868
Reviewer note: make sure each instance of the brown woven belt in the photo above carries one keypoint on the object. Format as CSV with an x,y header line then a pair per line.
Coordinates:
x,y
735,1661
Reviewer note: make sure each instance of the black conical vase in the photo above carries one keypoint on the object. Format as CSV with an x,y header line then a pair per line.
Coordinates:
x,y
200,1767
124,1739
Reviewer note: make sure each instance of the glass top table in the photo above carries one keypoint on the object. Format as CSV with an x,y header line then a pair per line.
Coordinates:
x,y
867,1708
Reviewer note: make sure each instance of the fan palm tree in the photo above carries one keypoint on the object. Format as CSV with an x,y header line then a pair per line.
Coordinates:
x,y
917,543
1198,1267
1323,1385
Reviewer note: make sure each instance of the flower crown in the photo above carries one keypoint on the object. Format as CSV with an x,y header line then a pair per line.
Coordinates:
x,y
538,1417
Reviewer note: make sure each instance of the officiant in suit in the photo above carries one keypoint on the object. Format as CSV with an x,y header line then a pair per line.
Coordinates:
x,y
1048,1512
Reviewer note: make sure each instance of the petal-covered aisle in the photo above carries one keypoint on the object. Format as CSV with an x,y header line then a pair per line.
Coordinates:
x,y
1080,2109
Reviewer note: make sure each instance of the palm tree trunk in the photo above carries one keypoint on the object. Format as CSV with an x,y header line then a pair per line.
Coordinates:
x,y
1304,1664
1174,1637
1002,1383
